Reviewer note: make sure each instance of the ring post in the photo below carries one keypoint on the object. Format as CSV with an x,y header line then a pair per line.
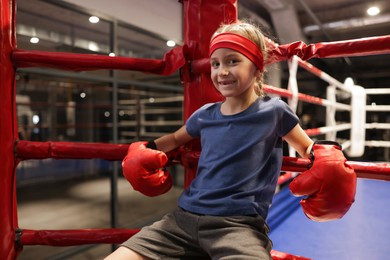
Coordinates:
x,y
201,19
8,131
358,119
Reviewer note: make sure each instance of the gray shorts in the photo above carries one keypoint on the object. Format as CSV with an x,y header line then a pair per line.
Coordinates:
x,y
183,235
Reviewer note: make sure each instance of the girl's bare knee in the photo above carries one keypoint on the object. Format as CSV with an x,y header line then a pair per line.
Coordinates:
x,y
124,253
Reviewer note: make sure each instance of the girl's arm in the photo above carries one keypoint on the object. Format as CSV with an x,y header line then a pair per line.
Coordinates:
x,y
171,141
298,139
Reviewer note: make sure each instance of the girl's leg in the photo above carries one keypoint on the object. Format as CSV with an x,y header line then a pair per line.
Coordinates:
x,y
123,253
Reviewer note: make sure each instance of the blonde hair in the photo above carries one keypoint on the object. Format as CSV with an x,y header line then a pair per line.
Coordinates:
x,y
252,33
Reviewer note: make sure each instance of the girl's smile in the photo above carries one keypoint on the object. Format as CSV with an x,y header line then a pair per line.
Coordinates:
x,y
227,83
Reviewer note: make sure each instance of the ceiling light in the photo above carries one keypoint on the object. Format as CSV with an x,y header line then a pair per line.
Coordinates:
x,y
373,10
35,119
34,40
94,19
92,46
171,43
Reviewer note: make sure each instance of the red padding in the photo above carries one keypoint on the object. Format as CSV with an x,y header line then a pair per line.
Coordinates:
x,y
172,61
75,237
69,150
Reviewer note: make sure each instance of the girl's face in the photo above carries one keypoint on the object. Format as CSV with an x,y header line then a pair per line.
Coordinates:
x,y
232,73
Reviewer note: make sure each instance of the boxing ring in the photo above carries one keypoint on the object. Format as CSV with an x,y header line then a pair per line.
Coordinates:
x,y
191,60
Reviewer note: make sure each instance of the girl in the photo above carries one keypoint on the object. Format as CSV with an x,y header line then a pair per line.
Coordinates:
x,y
222,214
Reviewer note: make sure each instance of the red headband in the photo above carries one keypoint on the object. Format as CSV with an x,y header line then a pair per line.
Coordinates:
x,y
238,43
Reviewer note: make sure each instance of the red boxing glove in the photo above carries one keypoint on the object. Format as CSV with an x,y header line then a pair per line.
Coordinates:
x,y
143,168
330,184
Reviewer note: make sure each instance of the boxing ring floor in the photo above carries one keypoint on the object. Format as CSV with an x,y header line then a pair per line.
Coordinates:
x,y
362,234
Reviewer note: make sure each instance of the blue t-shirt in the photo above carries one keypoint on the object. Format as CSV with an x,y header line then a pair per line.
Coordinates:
x,y
240,160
